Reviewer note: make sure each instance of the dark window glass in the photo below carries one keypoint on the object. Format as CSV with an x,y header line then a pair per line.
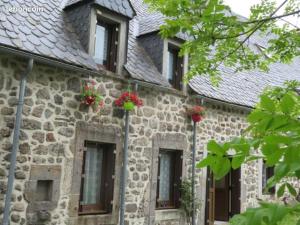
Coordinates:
x,y
106,45
267,173
175,67
169,179
97,178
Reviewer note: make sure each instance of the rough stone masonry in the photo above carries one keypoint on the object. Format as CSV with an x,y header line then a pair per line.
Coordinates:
x,y
52,113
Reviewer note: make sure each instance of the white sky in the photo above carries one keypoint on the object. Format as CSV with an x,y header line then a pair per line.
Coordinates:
x,y
242,7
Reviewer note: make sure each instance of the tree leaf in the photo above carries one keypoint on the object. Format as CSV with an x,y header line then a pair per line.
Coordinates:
x,y
287,103
209,160
291,189
237,161
256,116
280,191
267,103
221,168
215,148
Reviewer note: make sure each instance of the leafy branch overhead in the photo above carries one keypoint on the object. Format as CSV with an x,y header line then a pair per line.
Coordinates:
x,y
274,136
218,37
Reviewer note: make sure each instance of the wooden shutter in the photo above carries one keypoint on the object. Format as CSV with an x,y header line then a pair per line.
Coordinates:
x,y
269,174
84,149
158,178
177,177
210,198
222,200
179,72
109,176
113,48
235,188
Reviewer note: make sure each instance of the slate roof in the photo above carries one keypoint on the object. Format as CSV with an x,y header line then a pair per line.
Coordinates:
x,y
150,23
46,32
244,88
139,63
51,33
123,7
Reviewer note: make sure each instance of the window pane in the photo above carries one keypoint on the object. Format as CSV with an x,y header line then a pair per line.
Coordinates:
x,y
171,59
92,180
165,177
101,45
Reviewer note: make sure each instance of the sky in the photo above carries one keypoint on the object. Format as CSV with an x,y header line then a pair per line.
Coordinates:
x,y
242,7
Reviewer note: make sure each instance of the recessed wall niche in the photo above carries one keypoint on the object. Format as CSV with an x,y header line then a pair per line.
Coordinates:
x,y
42,192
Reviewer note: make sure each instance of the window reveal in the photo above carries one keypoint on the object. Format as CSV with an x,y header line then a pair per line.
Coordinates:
x,y
106,45
97,179
267,173
175,67
169,179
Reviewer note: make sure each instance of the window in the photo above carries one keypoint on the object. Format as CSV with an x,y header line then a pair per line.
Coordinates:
x,y
169,179
106,44
175,67
97,178
267,173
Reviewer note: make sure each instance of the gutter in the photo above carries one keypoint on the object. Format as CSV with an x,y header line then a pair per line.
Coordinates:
x,y
87,72
195,96
13,156
157,87
217,101
53,62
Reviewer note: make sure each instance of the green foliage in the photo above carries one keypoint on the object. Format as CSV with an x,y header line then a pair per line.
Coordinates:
x,y
187,199
218,37
268,214
274,132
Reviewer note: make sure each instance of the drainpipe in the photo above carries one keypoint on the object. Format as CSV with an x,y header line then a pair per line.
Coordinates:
x,y
13,156
193,174
124,170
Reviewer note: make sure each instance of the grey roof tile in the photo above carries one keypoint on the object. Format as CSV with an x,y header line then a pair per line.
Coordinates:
x,y
114,5
28,46
33,39
244,88
52,34
41,32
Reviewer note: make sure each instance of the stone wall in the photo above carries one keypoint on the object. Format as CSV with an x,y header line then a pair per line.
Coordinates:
x,y
51,113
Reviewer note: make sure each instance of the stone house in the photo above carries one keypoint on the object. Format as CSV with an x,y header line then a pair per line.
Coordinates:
x,y
69,159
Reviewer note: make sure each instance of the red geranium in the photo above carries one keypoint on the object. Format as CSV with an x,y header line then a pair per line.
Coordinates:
x,y
128,100
196,113
89,94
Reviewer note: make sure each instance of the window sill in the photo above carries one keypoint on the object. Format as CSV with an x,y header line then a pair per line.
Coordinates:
x,y
95,219
220,223
168,214
98,213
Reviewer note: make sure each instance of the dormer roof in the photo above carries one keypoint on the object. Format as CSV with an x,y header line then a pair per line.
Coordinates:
x,y
122,7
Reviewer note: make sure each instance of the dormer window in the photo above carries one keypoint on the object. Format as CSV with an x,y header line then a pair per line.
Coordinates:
x,y
106,45
175,67
108,39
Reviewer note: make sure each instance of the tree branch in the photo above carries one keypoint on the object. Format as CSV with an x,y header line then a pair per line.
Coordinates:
x,y
256,27
272,18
